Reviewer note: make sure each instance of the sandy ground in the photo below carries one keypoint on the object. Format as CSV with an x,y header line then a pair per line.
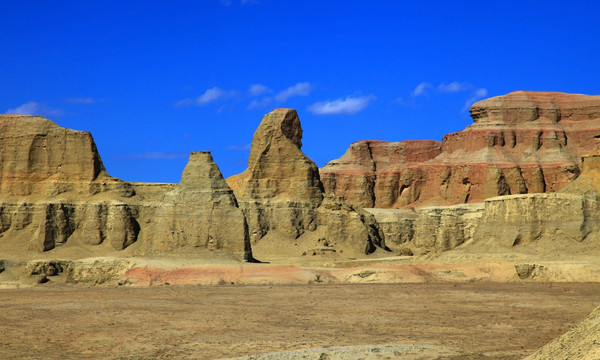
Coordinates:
x,y
484,319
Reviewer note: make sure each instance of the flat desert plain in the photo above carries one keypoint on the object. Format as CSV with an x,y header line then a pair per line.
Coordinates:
x,y
469,320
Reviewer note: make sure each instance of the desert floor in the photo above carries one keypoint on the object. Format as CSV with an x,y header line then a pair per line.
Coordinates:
x,y
484,319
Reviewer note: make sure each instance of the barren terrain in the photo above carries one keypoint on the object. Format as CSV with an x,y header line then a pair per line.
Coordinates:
x,y
474,320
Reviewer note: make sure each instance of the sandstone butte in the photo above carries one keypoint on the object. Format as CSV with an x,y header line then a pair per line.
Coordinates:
x,y
519,143
282,196
57,197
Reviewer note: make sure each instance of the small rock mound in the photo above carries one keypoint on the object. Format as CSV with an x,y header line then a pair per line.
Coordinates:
x,y
580,343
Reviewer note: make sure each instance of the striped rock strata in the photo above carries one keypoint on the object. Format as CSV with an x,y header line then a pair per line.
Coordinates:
x,y
519,143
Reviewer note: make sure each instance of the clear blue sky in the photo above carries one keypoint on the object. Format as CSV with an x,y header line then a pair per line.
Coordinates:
x,y
154,80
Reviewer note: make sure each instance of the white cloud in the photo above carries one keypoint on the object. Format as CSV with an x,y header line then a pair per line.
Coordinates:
x,y
421,89
250,2
348,106
258,89
477,95
211,95
184,102
81,100
262,103
454,87
35,108
226,2
300,89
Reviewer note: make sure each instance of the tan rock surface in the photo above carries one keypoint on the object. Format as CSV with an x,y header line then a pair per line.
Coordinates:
x,y
277,167
579,343
282,197
201,212
40,158
562,225
58,199
522,142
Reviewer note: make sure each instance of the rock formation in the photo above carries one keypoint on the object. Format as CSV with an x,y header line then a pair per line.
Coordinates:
x,y
560,224
579,343
56,195
40,158
523,142
369,172
282,196
201,212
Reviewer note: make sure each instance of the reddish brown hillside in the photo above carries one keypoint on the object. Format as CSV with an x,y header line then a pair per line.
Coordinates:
x,y
522,142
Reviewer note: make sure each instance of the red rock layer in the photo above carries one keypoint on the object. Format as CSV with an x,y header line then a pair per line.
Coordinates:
x,y
522,142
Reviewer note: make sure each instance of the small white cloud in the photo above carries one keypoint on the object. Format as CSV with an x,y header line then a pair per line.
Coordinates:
x,y
258,89
348,106
262,103
211,95
184,102
300,89
82,100
250,2
154,155
226,2
421,89
35,108
477,95
454,87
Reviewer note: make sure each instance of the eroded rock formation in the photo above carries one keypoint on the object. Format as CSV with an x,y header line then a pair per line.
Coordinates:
x,y
523,142
56,195
282,196
201,212
560,224
40,158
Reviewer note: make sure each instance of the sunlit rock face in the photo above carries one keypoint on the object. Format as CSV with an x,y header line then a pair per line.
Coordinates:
x,y
522,142
56,196
282,197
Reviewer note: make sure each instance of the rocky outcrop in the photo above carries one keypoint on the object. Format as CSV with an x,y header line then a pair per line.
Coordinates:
x,y
557,224
277,168
368,174
560,224
40,158
523,142
282,196
201,212
431,230
57,196
579,343
43,225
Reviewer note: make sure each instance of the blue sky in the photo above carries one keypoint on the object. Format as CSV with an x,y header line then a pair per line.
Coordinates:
x,y
153,81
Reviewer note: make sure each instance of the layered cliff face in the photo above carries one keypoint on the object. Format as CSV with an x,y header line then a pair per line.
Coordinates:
x,y
553,225
282,196
369,173
523,142
40,158
57,196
